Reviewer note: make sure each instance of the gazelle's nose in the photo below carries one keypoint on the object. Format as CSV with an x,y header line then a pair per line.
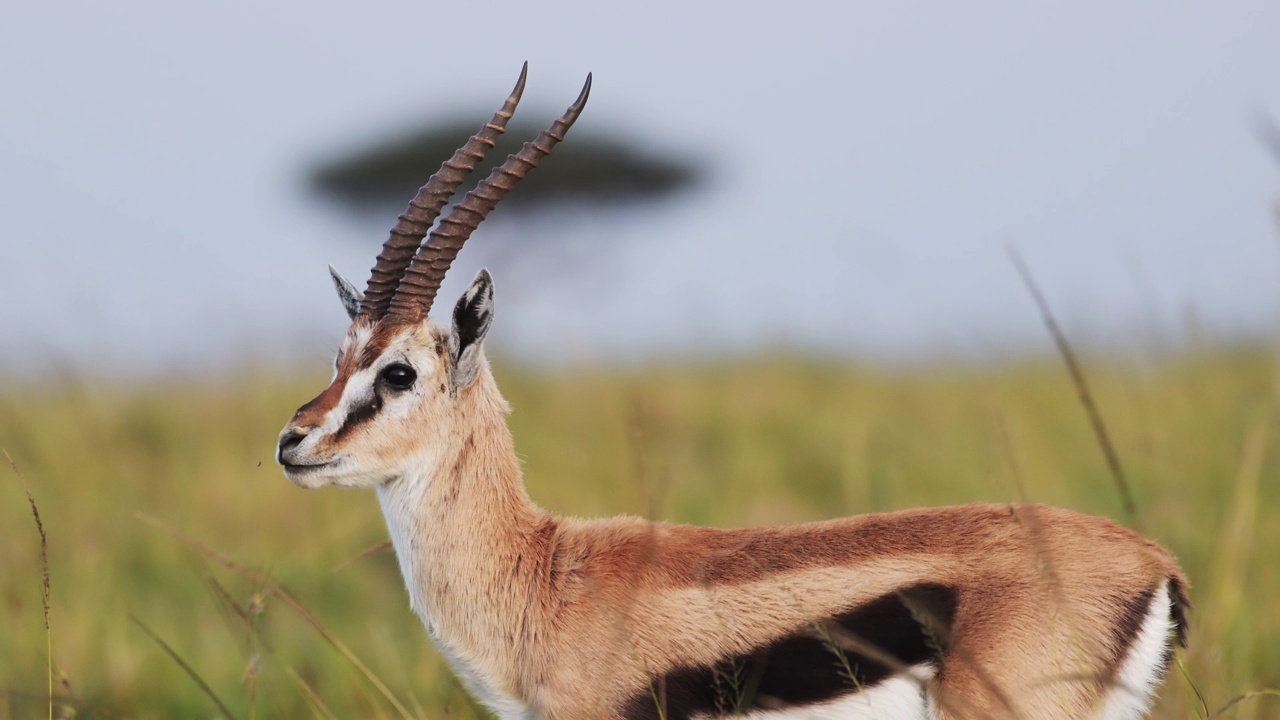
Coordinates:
x,y
289,441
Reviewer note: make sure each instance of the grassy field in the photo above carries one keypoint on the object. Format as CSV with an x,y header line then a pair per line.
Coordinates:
x,y
169,522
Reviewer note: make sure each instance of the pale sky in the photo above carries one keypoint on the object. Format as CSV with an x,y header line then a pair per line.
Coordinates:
x,y
871,161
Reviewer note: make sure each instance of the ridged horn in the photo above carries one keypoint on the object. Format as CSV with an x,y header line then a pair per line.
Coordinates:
x,y
406,237
412,300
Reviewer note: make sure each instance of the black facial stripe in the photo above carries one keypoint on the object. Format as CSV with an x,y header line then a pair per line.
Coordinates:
x,y
807,667
360,414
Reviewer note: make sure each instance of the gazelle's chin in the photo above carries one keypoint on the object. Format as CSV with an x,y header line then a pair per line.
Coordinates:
x,y
315,475
338,472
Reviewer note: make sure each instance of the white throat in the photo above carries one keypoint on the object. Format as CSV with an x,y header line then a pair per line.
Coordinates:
x,y
402,502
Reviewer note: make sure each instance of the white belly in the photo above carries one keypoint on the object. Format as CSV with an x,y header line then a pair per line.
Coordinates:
x,y
898,698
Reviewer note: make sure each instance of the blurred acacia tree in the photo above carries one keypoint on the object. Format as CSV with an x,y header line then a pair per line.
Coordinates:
x,y
586,170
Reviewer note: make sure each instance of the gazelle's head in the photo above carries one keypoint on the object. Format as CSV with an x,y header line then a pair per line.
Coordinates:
x,y
400,381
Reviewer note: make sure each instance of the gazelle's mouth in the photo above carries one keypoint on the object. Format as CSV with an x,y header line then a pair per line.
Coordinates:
x,y
310,475
299,469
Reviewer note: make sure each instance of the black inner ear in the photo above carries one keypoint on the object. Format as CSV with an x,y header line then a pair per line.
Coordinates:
x,y
468,322
472,315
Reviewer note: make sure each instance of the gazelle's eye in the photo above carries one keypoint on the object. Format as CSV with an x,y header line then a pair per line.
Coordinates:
x,y
398,376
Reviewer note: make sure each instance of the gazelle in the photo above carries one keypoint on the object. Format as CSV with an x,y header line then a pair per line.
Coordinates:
x,y
976,611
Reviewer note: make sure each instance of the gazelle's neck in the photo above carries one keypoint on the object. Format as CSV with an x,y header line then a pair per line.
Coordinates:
x,y
461,525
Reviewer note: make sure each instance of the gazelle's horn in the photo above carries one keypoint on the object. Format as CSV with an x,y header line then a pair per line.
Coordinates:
x,y
406,237
412,300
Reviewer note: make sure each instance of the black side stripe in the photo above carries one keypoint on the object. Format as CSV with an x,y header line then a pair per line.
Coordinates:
x,y
815,664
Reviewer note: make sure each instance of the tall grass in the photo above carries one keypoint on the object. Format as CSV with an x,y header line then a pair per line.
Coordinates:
x,y
273,598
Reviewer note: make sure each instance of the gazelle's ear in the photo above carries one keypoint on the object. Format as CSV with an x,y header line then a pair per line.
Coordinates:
x,y
347,293
471,318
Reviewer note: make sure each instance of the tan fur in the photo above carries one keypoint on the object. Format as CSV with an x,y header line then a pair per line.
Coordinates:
x,y
572,617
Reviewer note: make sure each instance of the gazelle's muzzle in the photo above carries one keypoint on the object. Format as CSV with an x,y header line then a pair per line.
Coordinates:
x,y
287,449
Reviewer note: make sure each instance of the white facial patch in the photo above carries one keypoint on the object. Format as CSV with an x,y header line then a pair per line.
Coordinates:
x,y
352,344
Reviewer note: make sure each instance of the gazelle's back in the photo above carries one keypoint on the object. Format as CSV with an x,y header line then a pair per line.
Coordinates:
x,y
993,608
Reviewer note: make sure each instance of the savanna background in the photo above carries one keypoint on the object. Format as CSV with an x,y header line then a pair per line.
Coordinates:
x,y
767,279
